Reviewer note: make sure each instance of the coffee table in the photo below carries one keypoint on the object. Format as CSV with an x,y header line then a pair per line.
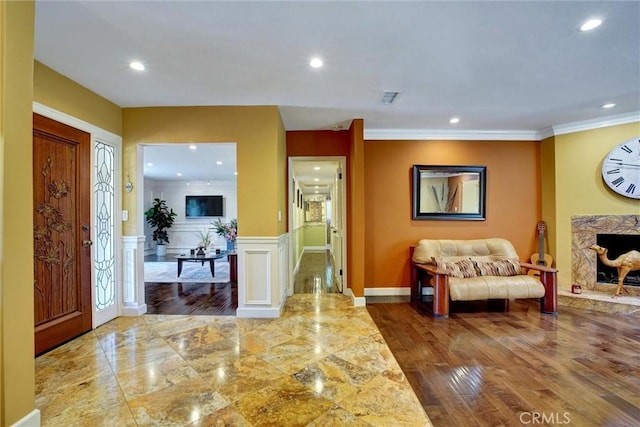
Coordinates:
x,y
201,259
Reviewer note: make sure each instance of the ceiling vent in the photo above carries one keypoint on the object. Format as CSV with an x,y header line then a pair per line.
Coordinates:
x,y
389,97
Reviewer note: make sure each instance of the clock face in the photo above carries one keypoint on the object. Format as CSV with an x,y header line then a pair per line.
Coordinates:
x,y
621,168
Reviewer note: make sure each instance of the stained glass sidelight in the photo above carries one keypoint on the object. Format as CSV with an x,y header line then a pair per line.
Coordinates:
x,y
104,246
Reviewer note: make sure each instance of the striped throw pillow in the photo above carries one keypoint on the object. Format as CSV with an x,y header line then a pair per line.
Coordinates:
x,y
461,268
501,267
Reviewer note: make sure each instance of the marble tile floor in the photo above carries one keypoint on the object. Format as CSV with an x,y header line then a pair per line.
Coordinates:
x,y
323,363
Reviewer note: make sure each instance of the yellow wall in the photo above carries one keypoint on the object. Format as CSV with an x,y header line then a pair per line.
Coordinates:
x,y
58,92
17,373
579,189
548,193
260,149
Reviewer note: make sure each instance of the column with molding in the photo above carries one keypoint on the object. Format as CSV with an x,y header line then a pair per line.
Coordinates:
x,y
133,303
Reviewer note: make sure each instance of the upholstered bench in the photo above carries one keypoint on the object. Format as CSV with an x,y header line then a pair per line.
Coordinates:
x,y
483,269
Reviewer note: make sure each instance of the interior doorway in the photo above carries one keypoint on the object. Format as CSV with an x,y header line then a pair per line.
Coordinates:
x,y
179,174
316,224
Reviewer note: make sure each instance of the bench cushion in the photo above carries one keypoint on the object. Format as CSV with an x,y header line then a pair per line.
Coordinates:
x,y
453,250
494,287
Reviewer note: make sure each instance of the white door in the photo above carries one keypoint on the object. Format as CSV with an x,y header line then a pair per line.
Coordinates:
x,y
337,227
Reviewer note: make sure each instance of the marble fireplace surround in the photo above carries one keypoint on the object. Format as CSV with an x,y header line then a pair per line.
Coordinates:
x,y
584,229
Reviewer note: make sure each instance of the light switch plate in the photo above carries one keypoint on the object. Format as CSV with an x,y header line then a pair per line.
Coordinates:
x,y
125,215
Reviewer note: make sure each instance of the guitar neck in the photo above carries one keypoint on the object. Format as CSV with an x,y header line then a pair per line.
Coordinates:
x,y
541,246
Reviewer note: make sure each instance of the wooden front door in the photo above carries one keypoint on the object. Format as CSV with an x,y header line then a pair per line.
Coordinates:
x,y
61,232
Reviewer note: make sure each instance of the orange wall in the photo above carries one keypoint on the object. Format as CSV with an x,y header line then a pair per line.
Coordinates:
x,y
317,143
513,200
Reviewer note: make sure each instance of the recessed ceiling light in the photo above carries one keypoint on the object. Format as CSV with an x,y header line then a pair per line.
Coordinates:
x,y
316,62
188,183
149,164
316,191
316,186
193,147
454,120
609,105
316,179
590,24
136,65
179,174
316,168
235,173
218,162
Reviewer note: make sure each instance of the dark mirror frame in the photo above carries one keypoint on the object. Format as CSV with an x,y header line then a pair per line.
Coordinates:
x,y
480,215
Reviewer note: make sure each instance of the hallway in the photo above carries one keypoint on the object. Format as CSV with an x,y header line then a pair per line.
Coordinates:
x,y
316,274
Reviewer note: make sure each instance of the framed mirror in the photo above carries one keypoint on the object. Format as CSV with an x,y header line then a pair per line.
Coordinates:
x,y
449,192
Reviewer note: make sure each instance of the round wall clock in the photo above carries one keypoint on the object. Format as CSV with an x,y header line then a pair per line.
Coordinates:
x,y
621,168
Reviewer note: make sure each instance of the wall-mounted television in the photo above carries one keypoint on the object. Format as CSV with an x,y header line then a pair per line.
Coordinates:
x,y
196,206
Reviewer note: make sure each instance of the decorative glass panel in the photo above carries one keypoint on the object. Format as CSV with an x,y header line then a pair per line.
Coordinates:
x,y
104,246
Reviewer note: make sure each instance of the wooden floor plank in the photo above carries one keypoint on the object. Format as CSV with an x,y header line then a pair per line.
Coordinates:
x,y
489,368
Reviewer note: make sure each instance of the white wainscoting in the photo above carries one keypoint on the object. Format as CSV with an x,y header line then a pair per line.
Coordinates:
x,y
133,276
262,276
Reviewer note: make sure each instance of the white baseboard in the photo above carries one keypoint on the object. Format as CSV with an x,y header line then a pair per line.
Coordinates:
x,y
385,292
134,310
32,419
314,249
358,301
258,313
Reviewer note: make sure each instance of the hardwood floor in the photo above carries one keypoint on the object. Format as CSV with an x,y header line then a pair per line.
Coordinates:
x,y
481,368
190,298
315,274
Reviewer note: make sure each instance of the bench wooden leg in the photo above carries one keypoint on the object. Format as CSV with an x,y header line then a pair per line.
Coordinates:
x,y
548,303
441,296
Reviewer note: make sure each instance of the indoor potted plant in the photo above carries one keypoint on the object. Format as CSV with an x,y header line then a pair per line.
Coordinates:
x,y
205,240
227,230
160,218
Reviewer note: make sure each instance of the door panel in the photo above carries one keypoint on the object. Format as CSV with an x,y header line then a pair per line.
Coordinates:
x,y
62,263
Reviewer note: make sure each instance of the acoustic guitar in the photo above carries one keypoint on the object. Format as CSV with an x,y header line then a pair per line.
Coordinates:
x,y
540,258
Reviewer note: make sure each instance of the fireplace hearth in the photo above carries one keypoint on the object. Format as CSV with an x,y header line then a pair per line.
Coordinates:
x,y
616,245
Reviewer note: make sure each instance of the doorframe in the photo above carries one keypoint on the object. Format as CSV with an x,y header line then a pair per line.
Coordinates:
x,y
101,135
342,164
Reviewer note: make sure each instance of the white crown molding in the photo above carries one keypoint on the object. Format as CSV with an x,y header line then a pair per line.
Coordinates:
x,y
434,134
498,135
585,125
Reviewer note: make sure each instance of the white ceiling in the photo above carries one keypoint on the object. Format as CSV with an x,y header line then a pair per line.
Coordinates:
x,y
518,65
500,66
194,162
